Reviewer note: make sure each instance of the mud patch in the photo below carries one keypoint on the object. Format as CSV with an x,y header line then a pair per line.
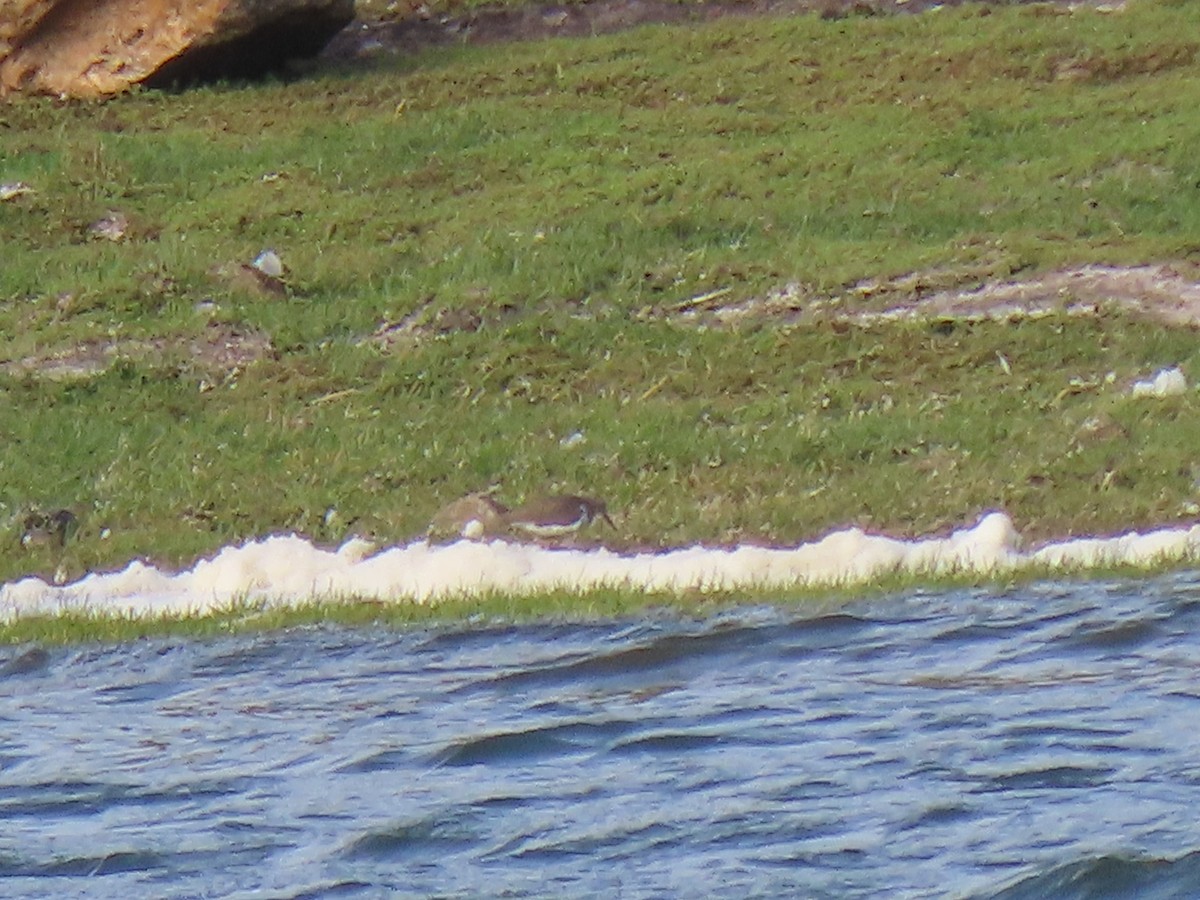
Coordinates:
x,y
431,321
408,28
220,349
1167,293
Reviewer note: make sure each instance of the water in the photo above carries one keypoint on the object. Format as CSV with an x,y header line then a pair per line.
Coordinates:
x,y
1033,743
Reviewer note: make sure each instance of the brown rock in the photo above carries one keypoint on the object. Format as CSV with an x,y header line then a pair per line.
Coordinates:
x,y
91,48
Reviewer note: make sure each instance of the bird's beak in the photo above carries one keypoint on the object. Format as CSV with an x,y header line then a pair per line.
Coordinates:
x,y
605,517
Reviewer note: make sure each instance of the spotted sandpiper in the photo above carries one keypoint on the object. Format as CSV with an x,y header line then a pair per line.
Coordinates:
x,y
53,528
473,516
556,516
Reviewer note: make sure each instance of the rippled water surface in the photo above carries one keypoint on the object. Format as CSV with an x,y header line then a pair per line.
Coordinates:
x,y
1039,742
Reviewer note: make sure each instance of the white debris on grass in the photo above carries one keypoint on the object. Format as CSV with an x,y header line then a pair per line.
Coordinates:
x,y
10,190
269,263
113,227
1165,383
287,569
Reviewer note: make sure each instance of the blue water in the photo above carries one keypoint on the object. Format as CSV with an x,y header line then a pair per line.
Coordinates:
x,y
1038,742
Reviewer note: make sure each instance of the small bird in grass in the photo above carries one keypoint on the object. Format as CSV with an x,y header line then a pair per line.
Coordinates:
x,y
474,516
556,516
51,528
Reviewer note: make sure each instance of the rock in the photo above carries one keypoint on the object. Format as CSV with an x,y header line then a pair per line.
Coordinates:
x,y
113,226
95,49
10,190
1165,383
269,263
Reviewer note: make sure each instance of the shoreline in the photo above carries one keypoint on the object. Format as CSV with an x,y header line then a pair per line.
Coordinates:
x,y
752,284
285,573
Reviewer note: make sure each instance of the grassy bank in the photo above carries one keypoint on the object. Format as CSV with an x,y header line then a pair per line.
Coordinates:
x,y
488,248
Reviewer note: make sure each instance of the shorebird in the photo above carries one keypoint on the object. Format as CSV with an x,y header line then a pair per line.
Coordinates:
x,y
474,516
557,516
41,528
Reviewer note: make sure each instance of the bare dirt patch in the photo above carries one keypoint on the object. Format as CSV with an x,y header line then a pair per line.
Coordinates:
x,y
430,321
411,27
220,349
1168,293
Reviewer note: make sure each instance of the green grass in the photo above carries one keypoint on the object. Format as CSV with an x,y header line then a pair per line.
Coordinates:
x,y
561,197
775,435
501,610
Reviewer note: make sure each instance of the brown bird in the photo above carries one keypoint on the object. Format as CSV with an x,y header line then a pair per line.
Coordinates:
x,y
557,516
473,516
53,528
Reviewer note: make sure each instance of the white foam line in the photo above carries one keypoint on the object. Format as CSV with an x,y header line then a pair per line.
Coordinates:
x,y
288,569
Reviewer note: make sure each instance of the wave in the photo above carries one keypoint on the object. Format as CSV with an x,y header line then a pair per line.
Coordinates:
x,y
290,569
1112,877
